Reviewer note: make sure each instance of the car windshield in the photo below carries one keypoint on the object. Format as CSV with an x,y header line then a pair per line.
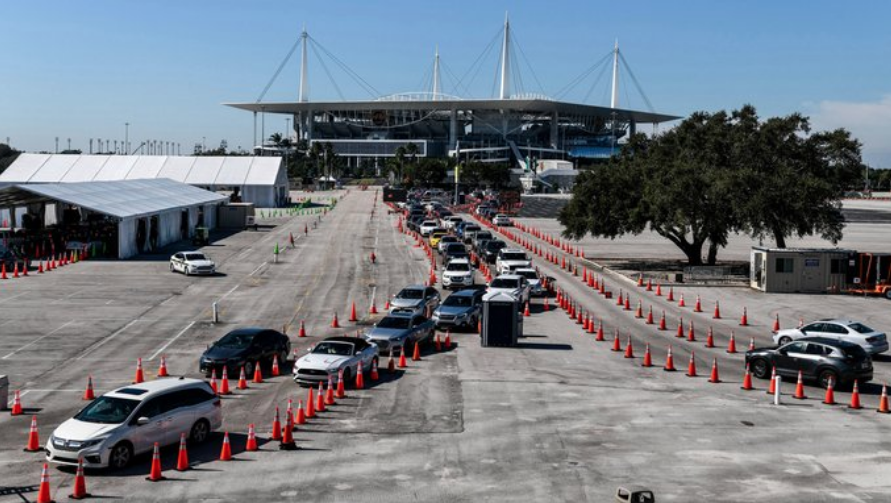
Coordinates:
x,y
454,247
394,322
195,256
860,328
411,294
458,300
428,223
333,348
505,283
460,266
448,239
471,228
235,340
530,275
514,256
107,410
495,245
483,235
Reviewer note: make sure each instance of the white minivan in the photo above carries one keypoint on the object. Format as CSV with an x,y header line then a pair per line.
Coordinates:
x,y
126,422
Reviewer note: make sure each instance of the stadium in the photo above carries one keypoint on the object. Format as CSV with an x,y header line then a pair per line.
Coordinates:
x,y
512,127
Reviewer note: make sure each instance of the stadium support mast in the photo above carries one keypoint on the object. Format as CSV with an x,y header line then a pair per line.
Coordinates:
x,y
303,63
505,61
436,83
614,102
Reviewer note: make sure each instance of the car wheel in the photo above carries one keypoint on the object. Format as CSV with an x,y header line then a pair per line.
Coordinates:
x,y
172,269
888,294
282,357
760,368
828,376
200,431
785,340
249,369
347,374
121,455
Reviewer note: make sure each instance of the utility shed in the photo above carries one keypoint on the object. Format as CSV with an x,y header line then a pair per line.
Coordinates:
x,y
262,181
126,217
799,270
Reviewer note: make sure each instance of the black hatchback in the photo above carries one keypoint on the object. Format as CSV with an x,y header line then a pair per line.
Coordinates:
x,y
245,347
819,359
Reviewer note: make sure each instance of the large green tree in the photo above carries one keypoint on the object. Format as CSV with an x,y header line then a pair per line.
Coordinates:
x,y
716,174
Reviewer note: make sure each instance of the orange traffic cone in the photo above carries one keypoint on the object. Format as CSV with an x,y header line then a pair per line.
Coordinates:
x,y
277,425
334,322
526,311
320,399
162,369
353,317
691,334
547,306
15,270
436,343
182,459
671,294
691,368
883,401
744,321
329,391
649,285
301,414
213,381
258,374
629,349
88,393
650,316
416,355
287,441
680,331
717,314
731,346
600,337
155,473
776,323
402,363
374,373
3,271
669,362
617,346
638,313
79,491
747,380
33,437
772,389
139,377
648,359
751,344
226,451
714,377
224,383
43,495
373,309
275,370
710,338
681,302
662,323
242,380
829,399
799,388
658,289
310,403
302,332
360,375
251,444
855,397
697,308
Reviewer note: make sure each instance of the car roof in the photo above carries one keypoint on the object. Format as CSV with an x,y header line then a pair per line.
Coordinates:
x,y
459,261
509,276
414,287
827,341
512,250
525,269
467,293
149,389
397,313
840,321
343,339
248,330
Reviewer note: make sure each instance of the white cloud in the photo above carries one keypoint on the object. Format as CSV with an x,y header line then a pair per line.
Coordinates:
x,y
870,122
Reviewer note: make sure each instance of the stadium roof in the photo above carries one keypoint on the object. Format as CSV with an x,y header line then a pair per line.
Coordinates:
x,y
200,170
514,105
121,198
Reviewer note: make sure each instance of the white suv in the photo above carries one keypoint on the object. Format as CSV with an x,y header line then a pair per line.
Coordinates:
x,y
126,422
510,259
458,273
427,227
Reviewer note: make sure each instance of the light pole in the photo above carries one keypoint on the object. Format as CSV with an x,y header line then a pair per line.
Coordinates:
x,y
127,138
57,144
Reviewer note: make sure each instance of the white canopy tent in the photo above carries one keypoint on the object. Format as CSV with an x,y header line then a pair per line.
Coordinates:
x,y
262,181
173,207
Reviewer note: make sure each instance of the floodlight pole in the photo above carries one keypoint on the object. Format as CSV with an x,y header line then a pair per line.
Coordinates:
x,y
127,138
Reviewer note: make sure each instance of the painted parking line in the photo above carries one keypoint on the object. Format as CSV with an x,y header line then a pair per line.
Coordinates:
x,y
35,341
13,297
171,341
257,269
105,340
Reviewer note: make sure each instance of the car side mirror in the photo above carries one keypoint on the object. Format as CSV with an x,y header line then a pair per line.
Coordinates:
x,y
782,351
142,421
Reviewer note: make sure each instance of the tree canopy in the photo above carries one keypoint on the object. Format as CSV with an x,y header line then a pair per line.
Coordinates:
x,y
717,174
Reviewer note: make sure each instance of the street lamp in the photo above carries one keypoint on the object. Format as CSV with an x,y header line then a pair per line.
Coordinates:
x,y
127,138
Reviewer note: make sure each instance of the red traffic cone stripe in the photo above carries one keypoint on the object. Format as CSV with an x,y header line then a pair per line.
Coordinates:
x,y
182,460
155,473
33,437
226,451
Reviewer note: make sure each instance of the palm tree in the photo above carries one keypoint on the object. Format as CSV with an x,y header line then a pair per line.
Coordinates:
x,y
400,161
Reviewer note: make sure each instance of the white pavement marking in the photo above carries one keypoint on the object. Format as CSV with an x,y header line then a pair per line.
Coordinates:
x,y
35,341
175,337
12,398
257,269
103,341
229,292
13,297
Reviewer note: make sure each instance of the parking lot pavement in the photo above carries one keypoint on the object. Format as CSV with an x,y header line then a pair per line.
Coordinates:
x,y
560,418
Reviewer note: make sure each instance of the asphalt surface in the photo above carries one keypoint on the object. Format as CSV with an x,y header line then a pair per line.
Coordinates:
x,y
560,418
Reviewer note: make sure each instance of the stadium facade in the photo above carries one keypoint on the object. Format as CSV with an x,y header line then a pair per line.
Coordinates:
x,y
508,128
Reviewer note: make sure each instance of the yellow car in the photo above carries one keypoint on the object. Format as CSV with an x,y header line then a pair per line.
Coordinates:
x,y
435,237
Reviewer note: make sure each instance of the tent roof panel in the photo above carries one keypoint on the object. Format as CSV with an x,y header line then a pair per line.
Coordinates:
x,y
119,198
116,168
177,168
205,170
24,167
234,171
147,166
54,169
264,171
85,168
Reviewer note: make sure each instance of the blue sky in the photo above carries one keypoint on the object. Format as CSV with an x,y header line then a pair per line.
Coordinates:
x,y
81,69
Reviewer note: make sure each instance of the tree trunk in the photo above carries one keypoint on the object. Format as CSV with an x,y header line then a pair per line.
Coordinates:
x,y
693,251
712,253
780,238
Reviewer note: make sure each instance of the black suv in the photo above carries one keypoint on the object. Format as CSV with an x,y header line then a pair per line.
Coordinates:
x,y
245,347
490,251
818,358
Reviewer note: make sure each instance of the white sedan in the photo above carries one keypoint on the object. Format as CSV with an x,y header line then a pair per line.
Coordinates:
x,y
501,220
190,263
872,341
332,356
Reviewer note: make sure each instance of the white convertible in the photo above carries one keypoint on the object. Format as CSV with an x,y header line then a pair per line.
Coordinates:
x,y
332,356
190,263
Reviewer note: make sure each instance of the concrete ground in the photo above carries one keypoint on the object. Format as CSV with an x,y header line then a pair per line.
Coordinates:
x,y
560,418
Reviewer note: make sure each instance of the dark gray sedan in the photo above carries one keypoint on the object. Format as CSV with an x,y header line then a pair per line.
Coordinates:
x,y
399,330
